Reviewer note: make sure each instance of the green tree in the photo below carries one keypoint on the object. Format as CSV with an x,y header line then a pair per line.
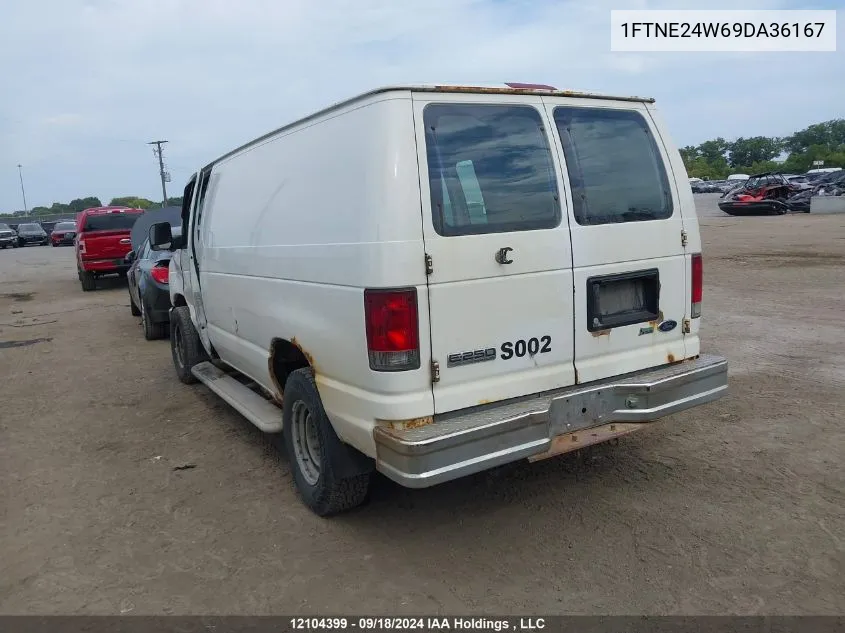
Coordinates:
x,y
689,153
757,149
830,134
80,204
713,150
133,201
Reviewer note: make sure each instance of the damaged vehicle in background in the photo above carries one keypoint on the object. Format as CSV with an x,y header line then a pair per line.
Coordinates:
x,y
761,194
828,184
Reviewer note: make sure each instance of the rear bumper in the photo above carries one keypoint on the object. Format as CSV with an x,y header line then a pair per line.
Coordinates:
x,y
544,425
104,265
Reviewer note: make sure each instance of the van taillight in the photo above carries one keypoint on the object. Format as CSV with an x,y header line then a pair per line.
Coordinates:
x,y
697,285
393,338
81,246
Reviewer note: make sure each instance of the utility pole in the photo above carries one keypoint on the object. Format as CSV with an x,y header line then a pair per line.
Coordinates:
x,y
162,173
23,191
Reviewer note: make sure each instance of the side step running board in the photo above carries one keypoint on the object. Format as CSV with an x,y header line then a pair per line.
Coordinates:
x,y
262,413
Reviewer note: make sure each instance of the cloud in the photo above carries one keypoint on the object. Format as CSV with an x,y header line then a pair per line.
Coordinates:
x,y
87,83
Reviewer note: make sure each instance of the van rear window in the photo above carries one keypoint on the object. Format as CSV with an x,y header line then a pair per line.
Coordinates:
x,y
110,221
615,169
490,169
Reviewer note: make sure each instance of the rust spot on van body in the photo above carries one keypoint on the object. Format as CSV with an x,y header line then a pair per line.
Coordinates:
x,y
573,441
308,356
554,92
670,358
278,392
599,333
405,425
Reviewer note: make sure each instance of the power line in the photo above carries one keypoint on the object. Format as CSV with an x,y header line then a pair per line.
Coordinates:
x,y
157,151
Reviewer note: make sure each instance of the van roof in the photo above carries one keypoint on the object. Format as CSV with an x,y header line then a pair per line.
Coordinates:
x,y
505,88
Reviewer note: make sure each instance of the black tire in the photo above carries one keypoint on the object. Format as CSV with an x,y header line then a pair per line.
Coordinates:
x,y
52,244
3,247
185,345
132,307
338,487
152,330
87,280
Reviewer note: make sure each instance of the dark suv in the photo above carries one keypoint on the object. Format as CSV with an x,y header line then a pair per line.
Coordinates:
x,y
32,233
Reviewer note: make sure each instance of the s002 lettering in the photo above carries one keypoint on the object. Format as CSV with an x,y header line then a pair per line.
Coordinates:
x,y
521,347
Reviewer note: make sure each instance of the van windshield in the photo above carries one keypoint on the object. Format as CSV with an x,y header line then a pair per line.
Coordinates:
x,y
490,169
615,168
110,221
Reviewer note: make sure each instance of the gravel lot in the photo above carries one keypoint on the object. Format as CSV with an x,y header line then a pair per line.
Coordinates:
x,y
738,507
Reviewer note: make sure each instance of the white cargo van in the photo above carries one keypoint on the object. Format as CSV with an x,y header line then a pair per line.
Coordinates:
x,y
433,281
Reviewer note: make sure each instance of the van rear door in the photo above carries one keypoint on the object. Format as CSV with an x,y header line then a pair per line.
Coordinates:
x,y
500,290
630,263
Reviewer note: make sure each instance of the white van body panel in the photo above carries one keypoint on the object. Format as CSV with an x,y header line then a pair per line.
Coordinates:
x,y
294,229
692,342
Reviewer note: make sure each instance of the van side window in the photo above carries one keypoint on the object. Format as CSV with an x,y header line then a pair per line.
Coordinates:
x,y
490,169
614,165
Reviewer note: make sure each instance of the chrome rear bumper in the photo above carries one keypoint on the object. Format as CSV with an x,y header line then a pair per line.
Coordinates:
x,y
469,441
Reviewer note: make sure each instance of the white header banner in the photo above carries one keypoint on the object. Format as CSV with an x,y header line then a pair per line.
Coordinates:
x,y
722,31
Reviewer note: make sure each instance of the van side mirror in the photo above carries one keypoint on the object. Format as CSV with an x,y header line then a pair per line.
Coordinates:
x,y
160,236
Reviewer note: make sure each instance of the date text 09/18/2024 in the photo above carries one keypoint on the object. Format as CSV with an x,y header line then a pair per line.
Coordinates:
x,y
434,623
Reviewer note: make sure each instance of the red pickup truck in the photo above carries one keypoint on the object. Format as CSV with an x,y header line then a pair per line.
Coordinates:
x,y
102,242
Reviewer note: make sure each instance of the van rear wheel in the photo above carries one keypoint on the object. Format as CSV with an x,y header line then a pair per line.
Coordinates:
x,y
185,345
330,476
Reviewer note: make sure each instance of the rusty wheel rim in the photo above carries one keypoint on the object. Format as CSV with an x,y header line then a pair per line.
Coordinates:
x,y
306,442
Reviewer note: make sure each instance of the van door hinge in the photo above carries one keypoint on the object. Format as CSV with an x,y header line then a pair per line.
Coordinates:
x,y
429,264
684,238
435,371
687,326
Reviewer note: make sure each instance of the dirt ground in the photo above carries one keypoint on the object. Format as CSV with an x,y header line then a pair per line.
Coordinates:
x,y
738,507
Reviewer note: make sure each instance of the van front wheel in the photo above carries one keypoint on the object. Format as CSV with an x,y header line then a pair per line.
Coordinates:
x,y
185,344
330,476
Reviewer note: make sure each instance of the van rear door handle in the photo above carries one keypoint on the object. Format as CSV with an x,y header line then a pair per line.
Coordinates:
x,y
502,255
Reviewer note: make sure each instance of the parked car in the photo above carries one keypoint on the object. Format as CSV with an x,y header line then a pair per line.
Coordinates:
x,y
149,293
429,347
8,236
64,234
32,233
103,242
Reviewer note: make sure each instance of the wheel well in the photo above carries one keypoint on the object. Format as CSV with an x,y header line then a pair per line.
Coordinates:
x,y
285,358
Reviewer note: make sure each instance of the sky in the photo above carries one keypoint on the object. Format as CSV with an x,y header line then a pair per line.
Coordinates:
x,y
87,83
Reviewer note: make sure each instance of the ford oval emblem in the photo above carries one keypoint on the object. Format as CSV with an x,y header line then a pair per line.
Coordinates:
x,y
667,326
